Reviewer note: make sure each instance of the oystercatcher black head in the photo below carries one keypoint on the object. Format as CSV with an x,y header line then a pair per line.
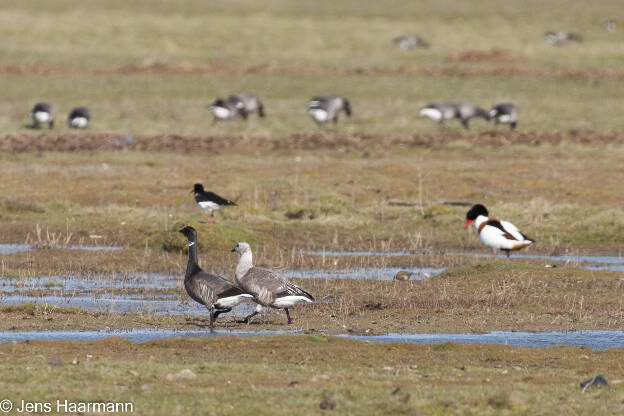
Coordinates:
x,y
474,212
198,187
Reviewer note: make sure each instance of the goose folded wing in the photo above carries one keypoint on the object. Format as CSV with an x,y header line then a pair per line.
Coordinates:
x,y
294,290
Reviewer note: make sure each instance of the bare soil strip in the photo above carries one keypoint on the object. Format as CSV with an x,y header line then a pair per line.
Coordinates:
x,y
27,142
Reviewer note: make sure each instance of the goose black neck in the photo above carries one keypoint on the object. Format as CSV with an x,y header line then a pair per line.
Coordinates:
x,y
192,267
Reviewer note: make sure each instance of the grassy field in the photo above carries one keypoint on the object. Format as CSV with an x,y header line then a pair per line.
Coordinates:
x,y
233,376
153,67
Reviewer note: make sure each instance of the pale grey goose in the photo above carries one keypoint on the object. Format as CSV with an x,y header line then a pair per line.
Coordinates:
x,y
41,113
249,103
327,108
440,112
227,109
468,111
559,38
79,118
410,42
505,113
268,288
215,292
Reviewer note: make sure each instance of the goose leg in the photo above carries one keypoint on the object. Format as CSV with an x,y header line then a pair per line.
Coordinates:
x,y
507,251
212,318
245,320
288,315
220,311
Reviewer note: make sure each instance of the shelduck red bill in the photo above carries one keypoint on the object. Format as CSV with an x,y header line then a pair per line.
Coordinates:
x,y
468,222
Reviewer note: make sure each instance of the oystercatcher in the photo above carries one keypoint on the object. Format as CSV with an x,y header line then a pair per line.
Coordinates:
x,y
209,202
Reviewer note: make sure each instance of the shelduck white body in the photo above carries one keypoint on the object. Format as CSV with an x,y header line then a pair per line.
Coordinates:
x,y
496,234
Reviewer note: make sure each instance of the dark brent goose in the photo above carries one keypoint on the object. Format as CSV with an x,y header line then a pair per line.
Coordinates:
x,y
209,202
327,108
410,42
440,112
467,111
496,234
249,103
79,118
269,288
227,109
215,292
505,113
559,38
41,113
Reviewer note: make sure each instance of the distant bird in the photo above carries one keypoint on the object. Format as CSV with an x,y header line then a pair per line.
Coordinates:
x,y
227,109
79,118
248,103
496,234
209,202
559,38
610,25
41,113
327,108
440,112
268,288
468,111
410,42
216,293
505,113
403,275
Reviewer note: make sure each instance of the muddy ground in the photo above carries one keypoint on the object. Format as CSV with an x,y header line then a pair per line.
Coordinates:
x,y
86,142
497,295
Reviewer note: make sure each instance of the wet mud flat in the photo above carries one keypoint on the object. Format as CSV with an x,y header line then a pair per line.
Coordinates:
x,y
313,372
495,296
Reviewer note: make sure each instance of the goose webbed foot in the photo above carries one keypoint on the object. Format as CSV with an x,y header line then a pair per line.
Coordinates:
x,y
245,320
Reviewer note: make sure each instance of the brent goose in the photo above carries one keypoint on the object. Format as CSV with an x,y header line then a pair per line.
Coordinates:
x,y
41,113
496,234
440,112
410,42
268,288
227,109
467,111
327,108
209,202
403,275
248,103
505,113
79,118
215,292
559,38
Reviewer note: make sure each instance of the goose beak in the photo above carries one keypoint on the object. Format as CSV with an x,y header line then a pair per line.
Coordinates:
x,y
468,222
233,250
